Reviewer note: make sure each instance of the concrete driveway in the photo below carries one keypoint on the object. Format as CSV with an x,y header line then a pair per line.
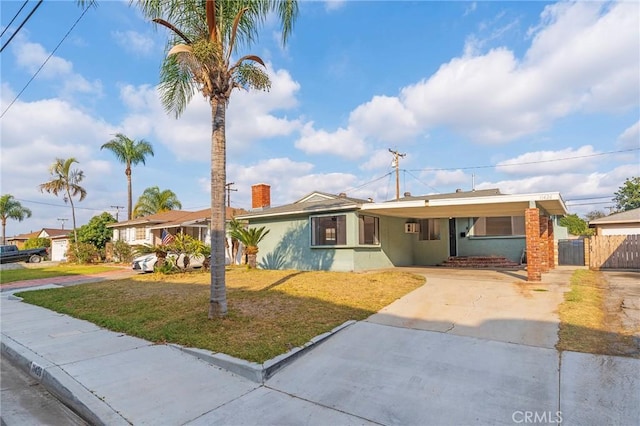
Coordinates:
x,y
493,305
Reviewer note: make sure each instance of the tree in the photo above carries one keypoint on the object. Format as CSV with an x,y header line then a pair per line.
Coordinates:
x,y
154,201
205,35
96,232
130,153
10,208
250,238
594,214
575,225
628,195
66,181
37,242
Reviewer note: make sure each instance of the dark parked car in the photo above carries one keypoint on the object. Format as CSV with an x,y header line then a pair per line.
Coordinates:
x,y
10,253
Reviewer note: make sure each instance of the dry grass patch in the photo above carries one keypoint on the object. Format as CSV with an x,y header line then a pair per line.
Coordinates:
x,y
269,311
585,323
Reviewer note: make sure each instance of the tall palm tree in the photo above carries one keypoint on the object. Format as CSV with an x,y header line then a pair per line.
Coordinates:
x,y
205,35
250,238
10,208
154,201
130,153
66,181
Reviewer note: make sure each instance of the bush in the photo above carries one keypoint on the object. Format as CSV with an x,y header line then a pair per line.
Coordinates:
x,y
33,243
83,253
122,252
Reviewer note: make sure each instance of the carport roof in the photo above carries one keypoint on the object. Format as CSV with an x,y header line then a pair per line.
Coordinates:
x,y
469,204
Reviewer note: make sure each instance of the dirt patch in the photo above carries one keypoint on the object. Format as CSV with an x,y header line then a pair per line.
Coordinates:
x,y
621,306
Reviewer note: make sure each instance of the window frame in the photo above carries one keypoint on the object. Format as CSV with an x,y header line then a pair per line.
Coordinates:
x,y
516,223
431,228
362,228
340,230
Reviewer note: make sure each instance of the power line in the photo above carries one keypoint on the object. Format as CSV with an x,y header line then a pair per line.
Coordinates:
x,y
14,17
525,162
21,25
45,62
424,183
367,183
59,205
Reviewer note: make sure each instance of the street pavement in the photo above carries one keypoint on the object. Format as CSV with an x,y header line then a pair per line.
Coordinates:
x,y
386,370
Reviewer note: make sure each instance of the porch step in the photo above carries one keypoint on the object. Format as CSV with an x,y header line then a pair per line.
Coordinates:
x,y
479,262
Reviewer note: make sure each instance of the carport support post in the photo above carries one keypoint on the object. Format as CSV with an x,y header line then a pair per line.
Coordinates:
x,y
551,247
532,236
544,244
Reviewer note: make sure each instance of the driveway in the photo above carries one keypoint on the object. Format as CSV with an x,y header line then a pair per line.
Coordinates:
x,y
491,305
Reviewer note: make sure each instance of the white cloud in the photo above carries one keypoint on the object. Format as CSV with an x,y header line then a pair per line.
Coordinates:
x,y
379,159
134,42
251,116
343,142
384,118
550,162
331,5
32,56
630,138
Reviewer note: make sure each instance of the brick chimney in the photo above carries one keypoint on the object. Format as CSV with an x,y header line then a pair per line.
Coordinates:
x,y
260,196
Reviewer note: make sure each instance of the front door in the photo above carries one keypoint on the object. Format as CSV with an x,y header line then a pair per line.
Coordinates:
x,y
453,248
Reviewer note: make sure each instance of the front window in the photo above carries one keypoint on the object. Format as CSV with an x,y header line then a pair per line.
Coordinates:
x,y
429,229
498,226
329,230
369,230
140,234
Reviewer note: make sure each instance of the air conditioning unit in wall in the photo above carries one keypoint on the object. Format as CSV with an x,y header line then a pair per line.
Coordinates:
x,y
411,228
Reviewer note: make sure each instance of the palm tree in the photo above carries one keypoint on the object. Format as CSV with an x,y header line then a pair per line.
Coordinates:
x,y
130,153
10,208
154,201
234,226
205,36
250,238
67,182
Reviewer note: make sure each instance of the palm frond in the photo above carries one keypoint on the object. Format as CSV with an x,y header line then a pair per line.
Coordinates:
x,y
249,76
176,85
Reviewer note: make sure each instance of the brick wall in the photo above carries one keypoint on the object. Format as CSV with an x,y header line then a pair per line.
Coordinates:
x,y
532,230
260,196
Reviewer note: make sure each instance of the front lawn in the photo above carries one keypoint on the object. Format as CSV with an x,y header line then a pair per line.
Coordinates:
x,y
12,275
270,312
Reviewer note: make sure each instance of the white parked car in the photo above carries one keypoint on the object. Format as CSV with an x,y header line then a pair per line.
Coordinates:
x,y
147,262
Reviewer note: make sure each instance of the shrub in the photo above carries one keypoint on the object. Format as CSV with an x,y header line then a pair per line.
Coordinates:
x,y
122,252
33,243
82,253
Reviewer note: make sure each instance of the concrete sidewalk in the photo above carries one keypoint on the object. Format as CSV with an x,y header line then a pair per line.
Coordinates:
x,y
368,373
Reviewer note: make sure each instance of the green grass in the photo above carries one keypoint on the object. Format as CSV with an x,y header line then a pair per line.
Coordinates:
x,y
270,312
12,275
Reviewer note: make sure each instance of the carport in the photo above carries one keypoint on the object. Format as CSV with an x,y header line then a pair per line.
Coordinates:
x,y
538,210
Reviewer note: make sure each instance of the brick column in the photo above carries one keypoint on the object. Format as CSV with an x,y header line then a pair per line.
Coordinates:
x,y
544,244
551,246
532,234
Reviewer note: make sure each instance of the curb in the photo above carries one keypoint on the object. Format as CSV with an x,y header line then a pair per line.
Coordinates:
x,y
254,371
64,387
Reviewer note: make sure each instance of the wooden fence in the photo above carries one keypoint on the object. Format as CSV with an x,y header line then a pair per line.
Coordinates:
x,y
614,251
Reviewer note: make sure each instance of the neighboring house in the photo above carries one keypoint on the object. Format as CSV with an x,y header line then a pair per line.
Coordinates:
x,y
623,223
335,232
59,241
148,229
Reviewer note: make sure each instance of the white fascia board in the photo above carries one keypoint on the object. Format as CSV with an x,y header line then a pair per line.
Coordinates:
x,y
498,199
394,205
297,212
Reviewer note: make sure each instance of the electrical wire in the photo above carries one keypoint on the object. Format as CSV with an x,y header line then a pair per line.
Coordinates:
x,y
21,25
45,62
14,17
525,162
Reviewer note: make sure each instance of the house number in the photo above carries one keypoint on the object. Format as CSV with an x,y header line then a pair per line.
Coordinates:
x,y
546,197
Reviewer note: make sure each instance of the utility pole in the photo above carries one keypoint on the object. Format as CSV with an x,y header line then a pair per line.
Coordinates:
x,y
227,187
63,221
396,162
118,208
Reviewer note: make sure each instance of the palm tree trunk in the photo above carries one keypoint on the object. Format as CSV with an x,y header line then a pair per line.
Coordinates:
x,y
73,217
218,298
4,229
128,173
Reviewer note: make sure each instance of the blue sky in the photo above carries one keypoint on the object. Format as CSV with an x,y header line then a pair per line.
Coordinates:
x,y
522,96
